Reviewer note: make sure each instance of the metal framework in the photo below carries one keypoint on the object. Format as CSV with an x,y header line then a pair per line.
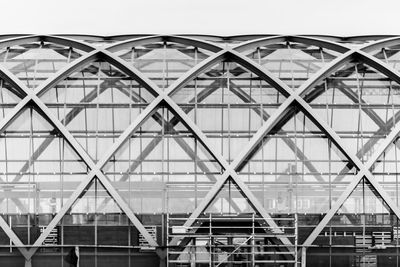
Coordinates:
x,y
297,80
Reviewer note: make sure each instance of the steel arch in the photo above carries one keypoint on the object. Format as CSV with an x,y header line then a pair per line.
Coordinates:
x,y
164,98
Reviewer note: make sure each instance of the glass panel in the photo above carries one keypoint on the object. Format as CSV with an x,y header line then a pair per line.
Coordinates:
x,y
95,219
229,200
291,62
297,168
39,171
360,104
34,62
9,98
386,170
164,62
238,102
364,225
163,167
96,104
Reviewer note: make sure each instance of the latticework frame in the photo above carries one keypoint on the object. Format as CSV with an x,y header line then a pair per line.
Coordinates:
x,y
97,49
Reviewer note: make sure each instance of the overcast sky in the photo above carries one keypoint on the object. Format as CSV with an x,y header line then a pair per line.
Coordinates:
x,y
220,17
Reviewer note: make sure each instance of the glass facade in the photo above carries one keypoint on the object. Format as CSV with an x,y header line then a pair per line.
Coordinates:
x,y
177,151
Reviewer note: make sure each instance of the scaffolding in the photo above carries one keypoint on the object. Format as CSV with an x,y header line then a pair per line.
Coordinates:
x,y
232,240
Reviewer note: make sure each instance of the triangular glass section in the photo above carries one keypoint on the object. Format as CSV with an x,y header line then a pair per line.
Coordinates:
x,y
95,211
362,225
228,223
9,98
35,62
164,62
162,167
296,168
238,101
39,171
360,104
96,104
291,62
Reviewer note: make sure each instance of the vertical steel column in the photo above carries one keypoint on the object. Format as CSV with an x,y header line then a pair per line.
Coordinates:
x,y
210,241
167,225
253,261
303,256
296,234
304,248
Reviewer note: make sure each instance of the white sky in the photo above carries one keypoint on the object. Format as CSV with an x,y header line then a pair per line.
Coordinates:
x,y
219,17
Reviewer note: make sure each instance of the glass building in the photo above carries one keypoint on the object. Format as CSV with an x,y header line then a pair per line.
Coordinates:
x,y
196,150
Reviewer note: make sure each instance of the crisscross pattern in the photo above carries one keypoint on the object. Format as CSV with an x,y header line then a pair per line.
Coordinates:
x,y
268,60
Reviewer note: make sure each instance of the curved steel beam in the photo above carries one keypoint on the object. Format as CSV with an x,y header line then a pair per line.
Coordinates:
x,y
296,39
194,72
295,97
325,72
235,57
100,38
32,96
91,57
379,65
128,44
131,71
200,136
96,168
95,172
309,166
283,108
292,98
229,172
66,72
46,38
382,43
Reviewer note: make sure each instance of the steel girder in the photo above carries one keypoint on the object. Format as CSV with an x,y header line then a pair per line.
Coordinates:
x,y
163,98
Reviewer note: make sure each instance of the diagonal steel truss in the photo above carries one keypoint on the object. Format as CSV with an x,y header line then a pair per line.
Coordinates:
x,y
163,98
